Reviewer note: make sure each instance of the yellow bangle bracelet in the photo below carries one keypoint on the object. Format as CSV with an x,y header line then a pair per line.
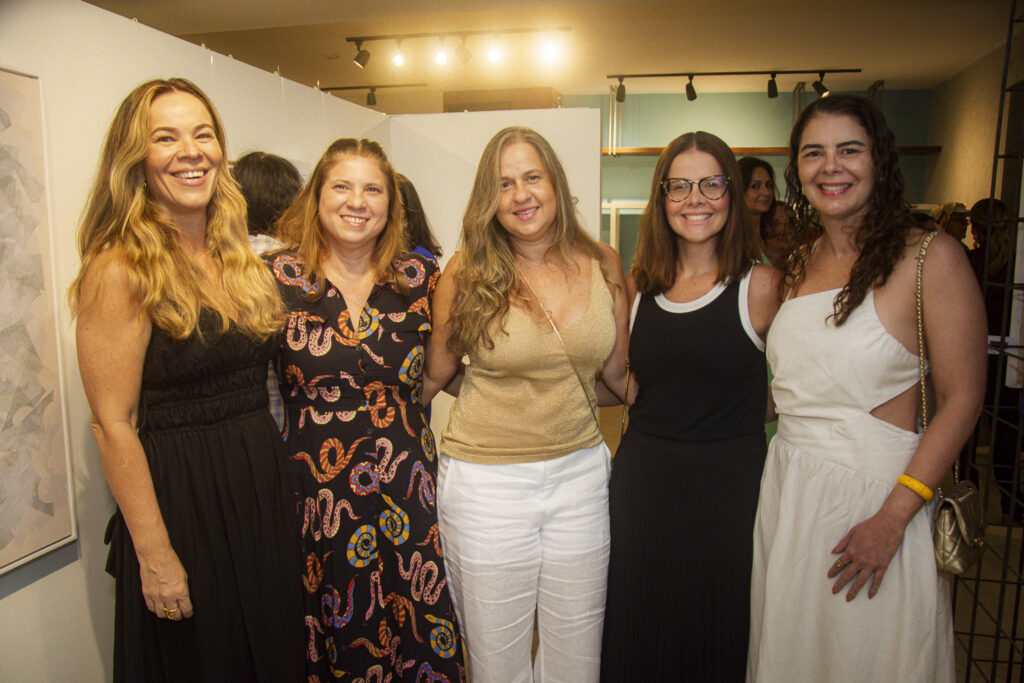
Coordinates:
x,y
915,486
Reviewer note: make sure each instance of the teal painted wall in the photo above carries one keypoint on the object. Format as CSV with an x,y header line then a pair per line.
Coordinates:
x,y
742,120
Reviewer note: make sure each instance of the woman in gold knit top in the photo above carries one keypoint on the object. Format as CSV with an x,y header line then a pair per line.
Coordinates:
x,y
539,308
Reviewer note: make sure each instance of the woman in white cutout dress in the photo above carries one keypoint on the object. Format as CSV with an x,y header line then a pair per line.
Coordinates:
x,y
844,583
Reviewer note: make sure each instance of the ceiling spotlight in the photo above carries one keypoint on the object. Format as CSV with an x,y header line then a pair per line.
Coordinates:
x,y
549,51
462,52
362,56
494,54
691,94
398,59
441,56
819,85
620,92
773,88
371,98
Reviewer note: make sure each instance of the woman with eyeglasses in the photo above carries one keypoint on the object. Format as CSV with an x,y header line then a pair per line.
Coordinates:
x,y
684,486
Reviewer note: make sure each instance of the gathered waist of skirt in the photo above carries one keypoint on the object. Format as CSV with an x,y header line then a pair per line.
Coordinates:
x,y
203,412
867,445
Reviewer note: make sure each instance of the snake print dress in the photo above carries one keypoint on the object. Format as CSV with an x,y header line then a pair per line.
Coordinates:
x,y
377,600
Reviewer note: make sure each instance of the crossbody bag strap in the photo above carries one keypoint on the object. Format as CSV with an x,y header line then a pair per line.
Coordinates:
x,y
568,358
921,352
634,305
625,400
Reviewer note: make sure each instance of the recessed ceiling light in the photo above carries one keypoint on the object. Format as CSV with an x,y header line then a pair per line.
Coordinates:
x,y
549,51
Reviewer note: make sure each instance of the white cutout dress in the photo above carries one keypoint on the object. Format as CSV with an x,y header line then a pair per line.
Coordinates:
x,y
831,466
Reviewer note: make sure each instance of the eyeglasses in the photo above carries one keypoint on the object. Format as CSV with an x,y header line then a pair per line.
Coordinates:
x,y
712,187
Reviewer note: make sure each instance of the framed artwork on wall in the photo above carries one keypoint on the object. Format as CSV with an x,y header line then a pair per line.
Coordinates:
x,y
36,495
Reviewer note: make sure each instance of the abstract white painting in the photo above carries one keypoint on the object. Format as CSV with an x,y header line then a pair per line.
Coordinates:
x,y
36,508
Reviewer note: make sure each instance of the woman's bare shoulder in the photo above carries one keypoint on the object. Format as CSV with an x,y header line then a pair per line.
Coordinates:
x,y
765,277
108,274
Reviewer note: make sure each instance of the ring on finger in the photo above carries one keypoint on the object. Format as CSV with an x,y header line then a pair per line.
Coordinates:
x,y
170,612
839,564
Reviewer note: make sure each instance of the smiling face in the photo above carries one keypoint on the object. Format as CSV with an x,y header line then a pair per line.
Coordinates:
x,y
760,194
353,204
696,219
527,204
183,156
836,171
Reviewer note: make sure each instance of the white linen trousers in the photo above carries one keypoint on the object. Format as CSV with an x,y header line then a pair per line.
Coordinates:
x,y
526,537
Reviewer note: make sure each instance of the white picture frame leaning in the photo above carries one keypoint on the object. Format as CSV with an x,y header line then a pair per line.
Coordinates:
x,y
37,512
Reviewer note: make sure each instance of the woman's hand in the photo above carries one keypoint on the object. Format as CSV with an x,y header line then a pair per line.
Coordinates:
x,y
865,553
605,396
165,585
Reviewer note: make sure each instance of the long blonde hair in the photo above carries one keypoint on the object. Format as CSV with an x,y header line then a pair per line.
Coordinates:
x,y
120,213
300,227
488,277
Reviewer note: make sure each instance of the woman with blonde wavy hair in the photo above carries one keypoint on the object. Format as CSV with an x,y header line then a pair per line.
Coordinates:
x,y
377,603
177,320
539,308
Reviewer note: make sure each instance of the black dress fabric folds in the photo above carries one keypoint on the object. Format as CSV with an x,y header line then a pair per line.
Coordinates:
x,y
227,499
683,493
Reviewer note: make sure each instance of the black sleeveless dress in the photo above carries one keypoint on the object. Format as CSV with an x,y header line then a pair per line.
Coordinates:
x,y
683,493
225,492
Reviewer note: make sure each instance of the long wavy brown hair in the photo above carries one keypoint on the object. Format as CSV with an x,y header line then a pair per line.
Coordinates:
x,y
882,235
747,166
120,213
657,251
488,277
299,225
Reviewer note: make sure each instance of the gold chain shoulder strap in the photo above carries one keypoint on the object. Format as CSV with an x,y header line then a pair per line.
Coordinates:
x,y
625,399
625,396
920,339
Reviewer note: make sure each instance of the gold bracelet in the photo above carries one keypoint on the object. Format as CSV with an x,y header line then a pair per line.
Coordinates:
x,y
915,486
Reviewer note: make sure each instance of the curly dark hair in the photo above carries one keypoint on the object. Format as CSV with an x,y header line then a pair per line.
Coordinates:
x,y
882,235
